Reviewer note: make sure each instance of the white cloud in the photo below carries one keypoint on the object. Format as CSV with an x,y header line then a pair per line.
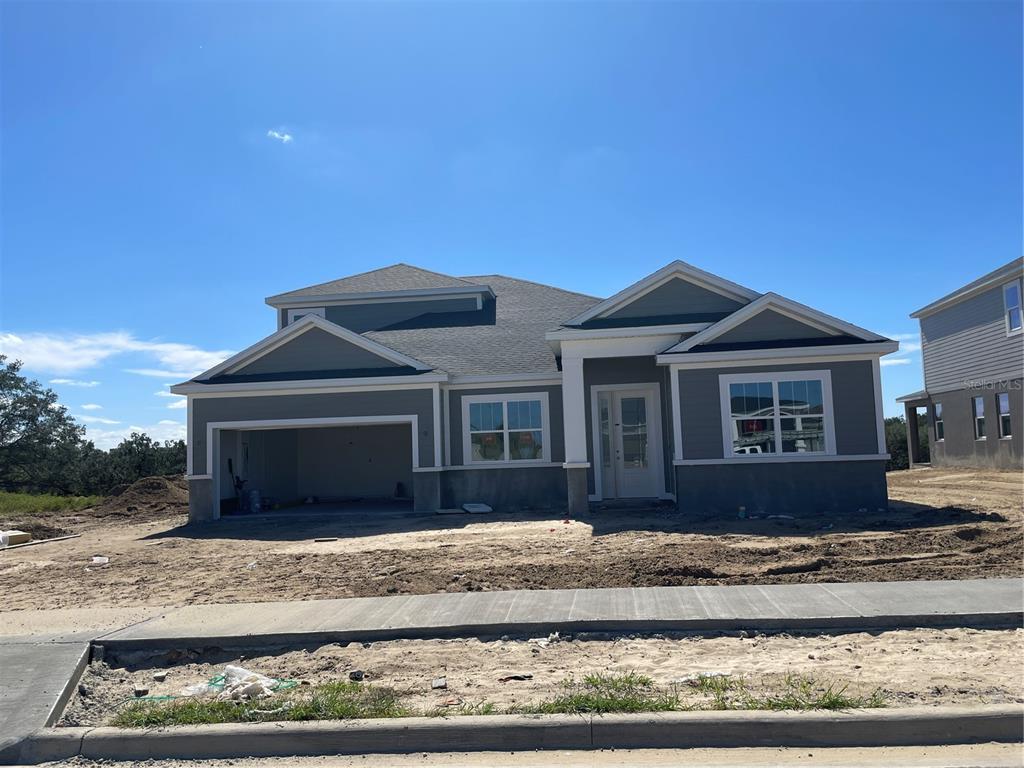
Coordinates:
x,y
95,420
282,136
70,353
165,429
160,373
183,403
75,383
886,361
909,342
91,407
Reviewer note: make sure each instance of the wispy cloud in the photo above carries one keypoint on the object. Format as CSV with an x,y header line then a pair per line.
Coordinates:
x,y
183,403
283,136
75,383
886,361
90,407
70,353
160,373
95,419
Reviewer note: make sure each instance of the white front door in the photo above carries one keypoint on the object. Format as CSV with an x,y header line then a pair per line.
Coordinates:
x,y
629,443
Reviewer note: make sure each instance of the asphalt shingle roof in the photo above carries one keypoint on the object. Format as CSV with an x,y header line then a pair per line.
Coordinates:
x,y
397,277
515,343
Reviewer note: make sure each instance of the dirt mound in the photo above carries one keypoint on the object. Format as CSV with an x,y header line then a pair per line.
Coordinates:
x,y
151,498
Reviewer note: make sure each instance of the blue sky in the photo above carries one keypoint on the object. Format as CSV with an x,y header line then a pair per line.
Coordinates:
x,y
167,166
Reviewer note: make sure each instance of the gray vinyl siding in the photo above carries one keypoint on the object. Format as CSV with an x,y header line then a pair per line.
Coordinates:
x,y
628,370
556,438
853,404
315,350
373,316
769,326
967,342
384,403
677,297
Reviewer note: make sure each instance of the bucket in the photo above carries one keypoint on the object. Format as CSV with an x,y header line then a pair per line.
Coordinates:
x,y
255,502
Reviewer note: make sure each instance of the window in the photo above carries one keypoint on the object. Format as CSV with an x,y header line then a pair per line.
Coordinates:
x,y
1003,409
940,428
298,314
979,417
505,428
1012,306
777,413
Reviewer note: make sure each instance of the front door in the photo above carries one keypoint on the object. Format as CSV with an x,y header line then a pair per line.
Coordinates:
x,y
628,431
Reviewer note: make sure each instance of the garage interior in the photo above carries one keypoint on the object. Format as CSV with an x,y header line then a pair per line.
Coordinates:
x,y
341,468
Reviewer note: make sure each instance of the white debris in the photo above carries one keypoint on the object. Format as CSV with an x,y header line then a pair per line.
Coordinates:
x,y
239,684
476,508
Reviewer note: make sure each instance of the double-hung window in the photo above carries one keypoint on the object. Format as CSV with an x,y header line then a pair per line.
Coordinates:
x,y
978,404
940,427
1003,411
777,413
505,428
1012,307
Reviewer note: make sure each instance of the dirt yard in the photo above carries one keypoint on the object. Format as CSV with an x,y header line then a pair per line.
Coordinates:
x,y
909,667
943,524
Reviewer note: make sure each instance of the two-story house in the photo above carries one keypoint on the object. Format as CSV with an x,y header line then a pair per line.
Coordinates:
x,y
683,387
972,348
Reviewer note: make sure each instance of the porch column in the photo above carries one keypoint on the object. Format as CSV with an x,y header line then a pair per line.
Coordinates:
x,y
574,416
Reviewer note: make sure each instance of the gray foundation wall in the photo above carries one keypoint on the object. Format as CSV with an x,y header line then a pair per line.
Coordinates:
x,y
960,448
792,488
506,490
853,403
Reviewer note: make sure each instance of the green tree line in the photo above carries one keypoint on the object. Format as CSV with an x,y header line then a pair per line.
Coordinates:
x,y
44,450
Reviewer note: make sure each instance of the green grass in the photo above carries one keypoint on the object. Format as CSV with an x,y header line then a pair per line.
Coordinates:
x,y
329,701
32,503
796,692
601,694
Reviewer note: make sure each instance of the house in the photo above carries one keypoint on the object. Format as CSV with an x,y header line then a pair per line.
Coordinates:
x,y
972,348
683,387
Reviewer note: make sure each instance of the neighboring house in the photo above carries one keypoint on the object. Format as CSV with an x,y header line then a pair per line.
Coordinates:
x,y
972,348
683,387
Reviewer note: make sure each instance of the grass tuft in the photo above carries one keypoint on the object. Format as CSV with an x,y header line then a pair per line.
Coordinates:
x,y
33,503
797,692
330,701
605,693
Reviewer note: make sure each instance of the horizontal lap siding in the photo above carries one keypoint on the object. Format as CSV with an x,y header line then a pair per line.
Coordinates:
x,y
394,403
853,403
968,343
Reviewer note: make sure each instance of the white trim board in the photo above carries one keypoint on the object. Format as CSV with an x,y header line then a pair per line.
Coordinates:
x,y
493,465
294,330
377,297
786,458
570,334
780,304
308,386
675,270
778,355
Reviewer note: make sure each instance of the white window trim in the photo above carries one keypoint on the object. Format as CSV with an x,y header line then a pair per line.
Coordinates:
x,y
999,416
299,312
974,417
504,398
1020,308
936,420
825,377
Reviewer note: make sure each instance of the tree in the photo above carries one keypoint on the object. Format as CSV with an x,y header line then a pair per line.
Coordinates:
x,y
39,441
896,442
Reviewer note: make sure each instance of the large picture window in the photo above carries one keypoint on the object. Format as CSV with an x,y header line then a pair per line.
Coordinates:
x,y
505,428
777,413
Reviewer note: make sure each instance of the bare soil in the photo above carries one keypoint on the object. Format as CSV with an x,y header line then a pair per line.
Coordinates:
x,y
910,667
942,524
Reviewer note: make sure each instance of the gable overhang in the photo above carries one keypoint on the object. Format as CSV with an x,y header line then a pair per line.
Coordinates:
x,y
676,270
480,293
294,330
1000,276
661,334
801,313
197,389
779,355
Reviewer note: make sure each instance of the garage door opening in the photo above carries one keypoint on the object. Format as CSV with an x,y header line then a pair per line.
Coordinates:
x,y
323,468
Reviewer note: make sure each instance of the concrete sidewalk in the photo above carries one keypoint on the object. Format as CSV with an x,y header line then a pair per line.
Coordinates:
x,y
866,605
41,652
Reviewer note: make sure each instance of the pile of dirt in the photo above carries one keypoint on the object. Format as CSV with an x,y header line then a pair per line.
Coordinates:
x,y
151,498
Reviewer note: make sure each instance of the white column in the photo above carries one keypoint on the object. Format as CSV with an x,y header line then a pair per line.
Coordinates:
x,y
677,416
436,397
574,414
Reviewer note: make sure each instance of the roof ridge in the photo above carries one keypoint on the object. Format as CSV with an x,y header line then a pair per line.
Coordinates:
x,y
533,282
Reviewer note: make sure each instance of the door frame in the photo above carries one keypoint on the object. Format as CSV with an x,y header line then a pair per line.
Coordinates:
x,y
654,425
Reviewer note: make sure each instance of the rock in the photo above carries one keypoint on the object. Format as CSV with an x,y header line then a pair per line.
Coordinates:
x,y
83,690
439,684
356,675
160,676
141,691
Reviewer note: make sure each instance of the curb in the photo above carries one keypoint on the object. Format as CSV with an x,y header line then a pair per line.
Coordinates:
x,y
912,726
991,620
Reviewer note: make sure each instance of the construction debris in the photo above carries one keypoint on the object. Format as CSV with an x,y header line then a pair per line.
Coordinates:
x,y
476,509
13,538
439,684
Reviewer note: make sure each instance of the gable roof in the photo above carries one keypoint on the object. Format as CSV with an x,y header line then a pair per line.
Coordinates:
x,y
394,279
290,332
832,326
677,270
996,277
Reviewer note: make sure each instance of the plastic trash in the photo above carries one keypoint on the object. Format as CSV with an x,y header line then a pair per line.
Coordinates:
x,y
238,684
100,560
